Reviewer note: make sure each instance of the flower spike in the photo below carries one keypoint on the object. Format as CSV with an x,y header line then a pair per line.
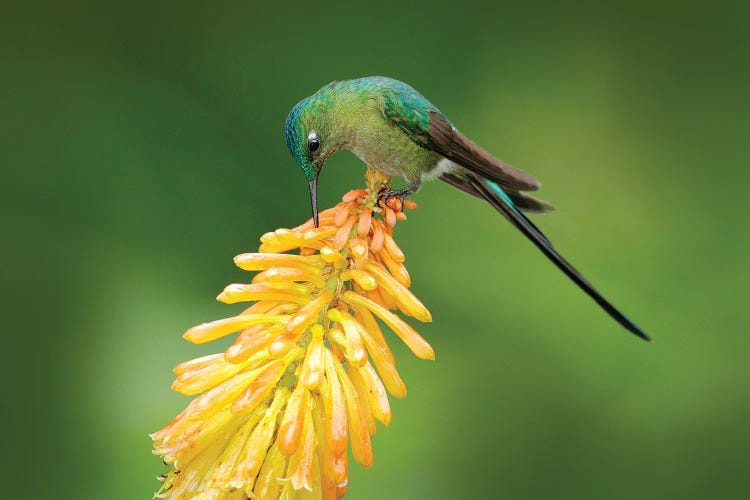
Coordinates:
x,y
309,373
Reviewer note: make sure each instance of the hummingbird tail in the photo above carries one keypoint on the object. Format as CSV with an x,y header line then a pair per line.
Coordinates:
x,y
494,194
522,201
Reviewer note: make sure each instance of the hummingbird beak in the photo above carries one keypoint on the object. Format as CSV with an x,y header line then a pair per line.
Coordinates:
x,y
314,199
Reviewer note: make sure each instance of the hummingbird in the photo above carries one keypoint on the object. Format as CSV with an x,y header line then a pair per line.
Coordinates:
x,y
395,129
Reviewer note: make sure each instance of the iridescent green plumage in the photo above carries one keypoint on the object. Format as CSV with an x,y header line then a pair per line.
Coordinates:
x,y
395,129
359,115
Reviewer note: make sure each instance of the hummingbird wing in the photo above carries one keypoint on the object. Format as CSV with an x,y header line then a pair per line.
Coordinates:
x,y
424,124
452,144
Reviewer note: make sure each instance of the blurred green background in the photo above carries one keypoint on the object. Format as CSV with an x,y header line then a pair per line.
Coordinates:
x,y
141,146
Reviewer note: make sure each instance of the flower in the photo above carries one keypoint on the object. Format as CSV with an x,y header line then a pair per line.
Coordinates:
x,y
309,372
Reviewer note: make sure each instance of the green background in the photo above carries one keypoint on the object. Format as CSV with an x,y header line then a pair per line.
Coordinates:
x,y
141,147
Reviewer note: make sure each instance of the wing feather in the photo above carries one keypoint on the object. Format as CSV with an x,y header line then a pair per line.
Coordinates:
x,y
455,146
425,125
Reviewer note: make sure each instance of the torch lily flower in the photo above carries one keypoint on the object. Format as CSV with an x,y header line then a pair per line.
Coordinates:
x,y
308,373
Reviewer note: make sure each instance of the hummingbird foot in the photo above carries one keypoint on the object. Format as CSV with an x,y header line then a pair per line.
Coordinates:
x,y
385,193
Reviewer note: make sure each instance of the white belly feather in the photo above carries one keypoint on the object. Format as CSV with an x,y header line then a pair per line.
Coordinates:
x,y
443,166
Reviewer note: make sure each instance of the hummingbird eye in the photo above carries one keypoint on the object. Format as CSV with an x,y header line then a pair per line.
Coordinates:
x,y
313,144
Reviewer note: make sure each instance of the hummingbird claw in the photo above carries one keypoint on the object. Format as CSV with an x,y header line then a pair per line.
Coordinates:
x,y
385,194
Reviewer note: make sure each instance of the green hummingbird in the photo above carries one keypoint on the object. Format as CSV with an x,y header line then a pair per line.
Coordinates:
x,y
395,129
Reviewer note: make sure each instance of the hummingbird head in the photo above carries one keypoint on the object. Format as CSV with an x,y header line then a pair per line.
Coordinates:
x,y
309,142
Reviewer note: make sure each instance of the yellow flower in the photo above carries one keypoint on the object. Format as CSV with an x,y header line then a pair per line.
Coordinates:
x,y
309,372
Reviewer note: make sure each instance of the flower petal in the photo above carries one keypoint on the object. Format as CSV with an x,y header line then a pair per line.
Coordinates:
x,y
378,236
365,221
290,430
335,407
303,462
282,274
377,395
331,255
237,292
397,269
358,431
319,233
354,347
343,234
268,485
207,332
263,261
363,400
362,278
354,194
386,366
308,313
406,300
263,384
411,338
250,342
224,468
393,249
342,213
206,375
312,371
358,247
195,364
253,456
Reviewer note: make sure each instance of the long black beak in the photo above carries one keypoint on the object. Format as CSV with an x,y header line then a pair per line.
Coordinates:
x,y
314,199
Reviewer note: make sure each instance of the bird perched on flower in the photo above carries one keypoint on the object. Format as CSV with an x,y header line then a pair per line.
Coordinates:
x,y
394,129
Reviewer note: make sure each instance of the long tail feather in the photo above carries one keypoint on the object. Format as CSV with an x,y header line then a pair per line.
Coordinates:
x,y
495,195
522,201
